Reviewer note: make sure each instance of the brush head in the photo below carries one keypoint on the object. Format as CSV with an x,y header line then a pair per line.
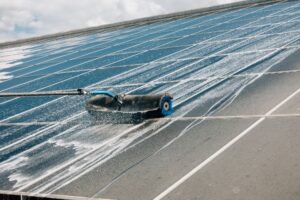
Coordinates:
x,y
132,109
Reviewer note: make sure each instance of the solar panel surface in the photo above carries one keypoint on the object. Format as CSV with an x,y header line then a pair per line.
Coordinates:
x,y
231,64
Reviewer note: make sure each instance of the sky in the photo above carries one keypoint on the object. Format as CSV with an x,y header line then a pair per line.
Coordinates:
x,y
27,18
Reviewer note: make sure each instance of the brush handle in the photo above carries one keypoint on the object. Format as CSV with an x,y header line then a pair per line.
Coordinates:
x,y
51,93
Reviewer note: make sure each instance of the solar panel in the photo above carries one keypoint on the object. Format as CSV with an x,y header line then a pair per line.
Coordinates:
x,y
228,64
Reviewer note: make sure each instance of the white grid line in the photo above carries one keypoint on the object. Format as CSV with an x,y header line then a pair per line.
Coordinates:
x,y
216,117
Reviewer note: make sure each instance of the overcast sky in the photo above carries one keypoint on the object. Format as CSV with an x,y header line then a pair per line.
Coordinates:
x,y
27,18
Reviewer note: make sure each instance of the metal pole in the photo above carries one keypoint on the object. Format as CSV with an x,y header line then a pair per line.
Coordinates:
x,y
52,93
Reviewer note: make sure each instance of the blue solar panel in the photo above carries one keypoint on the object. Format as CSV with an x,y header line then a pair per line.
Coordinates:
x,y
188,57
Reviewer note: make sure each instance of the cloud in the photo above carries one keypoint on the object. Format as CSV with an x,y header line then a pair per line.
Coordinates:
x,y
26,18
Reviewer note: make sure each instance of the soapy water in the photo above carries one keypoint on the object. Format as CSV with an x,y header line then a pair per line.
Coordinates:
x,y
4,76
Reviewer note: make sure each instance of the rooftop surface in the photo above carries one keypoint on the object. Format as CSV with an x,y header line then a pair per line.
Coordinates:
x,y
235,76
